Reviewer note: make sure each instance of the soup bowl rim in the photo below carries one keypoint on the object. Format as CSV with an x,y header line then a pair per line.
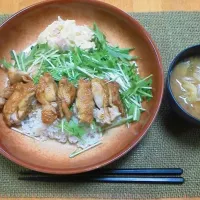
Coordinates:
x,y
172,65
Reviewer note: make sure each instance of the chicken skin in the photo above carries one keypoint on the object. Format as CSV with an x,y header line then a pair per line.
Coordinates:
x,y
46,94
18,105
101,98
4,82
66,97
6,88
16,76
49,114
9,79
18,92
46,89
84,101
114,97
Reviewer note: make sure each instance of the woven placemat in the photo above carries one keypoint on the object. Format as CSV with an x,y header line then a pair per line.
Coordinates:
x,y
170,142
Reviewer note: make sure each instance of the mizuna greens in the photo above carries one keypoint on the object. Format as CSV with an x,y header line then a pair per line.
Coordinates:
x,y
105,61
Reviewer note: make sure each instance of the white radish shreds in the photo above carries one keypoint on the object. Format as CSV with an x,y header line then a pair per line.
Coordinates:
x,y
65,34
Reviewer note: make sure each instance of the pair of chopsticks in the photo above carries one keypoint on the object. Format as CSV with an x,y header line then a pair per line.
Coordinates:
x,y
151,175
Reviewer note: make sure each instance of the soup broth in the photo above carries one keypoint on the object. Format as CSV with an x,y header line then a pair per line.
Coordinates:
x,y
185,85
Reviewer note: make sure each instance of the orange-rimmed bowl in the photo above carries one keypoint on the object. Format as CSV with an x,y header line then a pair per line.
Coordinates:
x,y
22,30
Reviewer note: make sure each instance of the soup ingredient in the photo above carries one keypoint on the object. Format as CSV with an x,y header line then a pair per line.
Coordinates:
x,y
66,97
190,91
84,101
185,84
101,98
66,34
46,94
18,105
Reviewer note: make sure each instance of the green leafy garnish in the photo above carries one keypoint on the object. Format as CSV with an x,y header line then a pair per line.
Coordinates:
x,y
73,128
5,63
79,151
119,123
105,62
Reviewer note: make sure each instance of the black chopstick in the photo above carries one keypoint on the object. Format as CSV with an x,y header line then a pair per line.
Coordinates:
x,y
111,176
139,171
105,179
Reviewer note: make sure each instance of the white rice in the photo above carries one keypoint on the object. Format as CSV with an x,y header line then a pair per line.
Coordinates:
x,y
89,139
65,34
34,127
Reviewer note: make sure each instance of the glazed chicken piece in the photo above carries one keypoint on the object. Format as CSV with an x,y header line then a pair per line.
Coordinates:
x,y
2,102
46,94
4,84
66,97
49,114
46,89
7,92
114,99
16,76
18,105
9,80
6,88
84,101
100,92
101,98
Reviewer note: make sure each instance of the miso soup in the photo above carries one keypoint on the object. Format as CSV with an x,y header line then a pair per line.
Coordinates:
x,y
185,85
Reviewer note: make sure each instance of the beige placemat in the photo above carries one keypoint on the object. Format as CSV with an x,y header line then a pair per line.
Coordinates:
x,y
170,142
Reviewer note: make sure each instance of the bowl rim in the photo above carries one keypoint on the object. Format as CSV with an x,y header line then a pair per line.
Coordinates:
x,y
146,35
172,65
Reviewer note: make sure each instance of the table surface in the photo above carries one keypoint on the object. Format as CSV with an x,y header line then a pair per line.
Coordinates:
x,y
11,6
